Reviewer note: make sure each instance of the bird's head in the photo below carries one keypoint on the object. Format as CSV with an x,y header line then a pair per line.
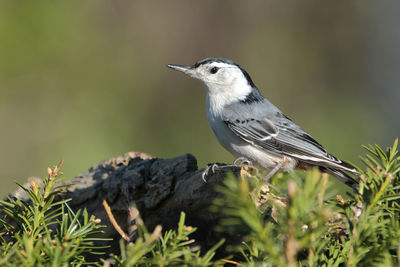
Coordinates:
x,y
221,76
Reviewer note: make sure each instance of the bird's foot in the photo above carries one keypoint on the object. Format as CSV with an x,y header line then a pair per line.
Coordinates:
x,y
211,168
242,161
273,171
273,187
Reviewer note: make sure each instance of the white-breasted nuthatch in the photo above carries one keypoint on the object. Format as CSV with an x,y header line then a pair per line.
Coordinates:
x,y
251,127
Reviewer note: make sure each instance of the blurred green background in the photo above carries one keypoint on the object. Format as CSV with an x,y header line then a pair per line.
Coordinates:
x,y
86,80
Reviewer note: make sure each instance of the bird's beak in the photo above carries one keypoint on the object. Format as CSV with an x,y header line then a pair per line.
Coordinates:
x,y
189,70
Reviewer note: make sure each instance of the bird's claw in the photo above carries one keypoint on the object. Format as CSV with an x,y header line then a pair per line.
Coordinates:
x,y
210,168
242,161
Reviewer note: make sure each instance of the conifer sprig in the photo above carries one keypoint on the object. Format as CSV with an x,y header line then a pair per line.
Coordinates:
x,y
41,231
305,226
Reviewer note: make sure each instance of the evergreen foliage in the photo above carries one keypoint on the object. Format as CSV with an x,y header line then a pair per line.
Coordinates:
x,y
309,228
171,249
314,231
45,232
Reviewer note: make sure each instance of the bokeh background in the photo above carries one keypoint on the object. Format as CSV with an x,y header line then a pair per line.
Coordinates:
x,y
86,80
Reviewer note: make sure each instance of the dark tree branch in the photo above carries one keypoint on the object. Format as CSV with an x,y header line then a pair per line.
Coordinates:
x,y
157,189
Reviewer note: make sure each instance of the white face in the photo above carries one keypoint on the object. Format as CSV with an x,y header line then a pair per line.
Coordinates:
x,y
219,73
220,78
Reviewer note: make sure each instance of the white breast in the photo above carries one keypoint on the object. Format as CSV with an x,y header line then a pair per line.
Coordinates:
x,y
240,148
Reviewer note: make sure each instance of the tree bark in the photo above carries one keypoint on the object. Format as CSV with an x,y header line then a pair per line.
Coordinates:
x,y
158,189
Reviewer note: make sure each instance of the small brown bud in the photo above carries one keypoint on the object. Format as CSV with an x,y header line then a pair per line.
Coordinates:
x,y
291,189
340,199
34,186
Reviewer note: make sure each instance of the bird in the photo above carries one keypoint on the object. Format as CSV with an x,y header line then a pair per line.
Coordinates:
x,y
253,129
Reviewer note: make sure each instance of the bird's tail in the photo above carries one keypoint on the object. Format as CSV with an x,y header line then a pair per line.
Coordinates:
x,y
342,176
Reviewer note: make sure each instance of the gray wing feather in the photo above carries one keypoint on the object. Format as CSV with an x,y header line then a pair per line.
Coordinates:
x,y
263,125
258,130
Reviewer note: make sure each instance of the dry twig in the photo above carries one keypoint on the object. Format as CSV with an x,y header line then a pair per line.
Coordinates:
x,y
114,222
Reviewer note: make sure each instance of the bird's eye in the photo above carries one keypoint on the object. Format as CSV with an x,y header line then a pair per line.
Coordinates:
x,y
214,70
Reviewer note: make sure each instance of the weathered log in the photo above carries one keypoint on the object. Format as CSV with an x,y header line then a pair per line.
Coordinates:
x,y
159,188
